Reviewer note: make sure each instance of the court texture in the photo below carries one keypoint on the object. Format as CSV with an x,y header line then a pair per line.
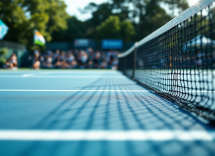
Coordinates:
x,y
93,113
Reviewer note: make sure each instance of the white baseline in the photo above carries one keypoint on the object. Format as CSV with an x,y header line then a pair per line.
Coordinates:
x,y
138,135
40,90
29,90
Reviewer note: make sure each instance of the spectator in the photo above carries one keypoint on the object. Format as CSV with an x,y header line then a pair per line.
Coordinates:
x,y
104,64
63,55
56,55
58,63
49,62
64,64
97,59
82,57
73,64
114,63
41,59
36,64
11,63
7,65
70,58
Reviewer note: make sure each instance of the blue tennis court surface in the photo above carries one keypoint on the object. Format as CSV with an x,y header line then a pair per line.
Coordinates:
x,y
93,113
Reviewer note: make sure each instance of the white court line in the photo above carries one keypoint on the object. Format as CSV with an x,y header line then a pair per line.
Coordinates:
x,y
27,75
22,90
59,76
33,90
138,135
30,74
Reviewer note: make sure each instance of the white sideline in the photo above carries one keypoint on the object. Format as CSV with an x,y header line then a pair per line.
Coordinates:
x,y
33,90
61,76
23,90
138,135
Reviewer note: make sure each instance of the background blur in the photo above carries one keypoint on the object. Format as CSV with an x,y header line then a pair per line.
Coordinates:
x,y
79,34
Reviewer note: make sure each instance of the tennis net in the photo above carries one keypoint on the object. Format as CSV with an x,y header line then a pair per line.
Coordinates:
x,y
177,61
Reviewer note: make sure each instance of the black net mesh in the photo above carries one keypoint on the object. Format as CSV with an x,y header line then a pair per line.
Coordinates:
x,y
179,63
126,64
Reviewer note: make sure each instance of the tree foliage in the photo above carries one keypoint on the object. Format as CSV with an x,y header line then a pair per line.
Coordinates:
x,y
146,15
125,19
112,28
24,16
127,30
3,52
76,29
14,17
47,16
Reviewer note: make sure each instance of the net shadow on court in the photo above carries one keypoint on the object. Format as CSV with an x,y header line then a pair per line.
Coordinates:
x,y
117,111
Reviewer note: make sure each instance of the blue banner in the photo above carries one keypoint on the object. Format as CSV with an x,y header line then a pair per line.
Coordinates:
x,y
3,29
83,43
112,44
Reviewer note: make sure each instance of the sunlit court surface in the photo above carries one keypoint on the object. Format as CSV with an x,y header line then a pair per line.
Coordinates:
x,y
93,112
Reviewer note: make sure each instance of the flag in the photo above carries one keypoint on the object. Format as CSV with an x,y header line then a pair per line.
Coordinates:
x,y
3,29
39,39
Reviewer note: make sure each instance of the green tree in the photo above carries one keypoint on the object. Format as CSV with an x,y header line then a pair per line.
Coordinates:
x,y
121,8
99,12
12,14
114,29
24,16
146,15
46,16
127,31
110,28
76,29
152,16
3,52
177,4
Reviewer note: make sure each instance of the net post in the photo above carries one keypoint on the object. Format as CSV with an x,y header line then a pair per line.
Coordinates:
x,y
135,54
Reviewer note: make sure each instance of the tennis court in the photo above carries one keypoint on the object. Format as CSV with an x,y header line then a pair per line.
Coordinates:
x,y
93,112
161,100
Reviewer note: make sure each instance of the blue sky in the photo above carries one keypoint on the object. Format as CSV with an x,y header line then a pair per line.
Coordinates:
x,y
73,6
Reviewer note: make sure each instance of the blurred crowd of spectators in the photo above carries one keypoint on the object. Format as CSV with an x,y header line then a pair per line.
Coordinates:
x,y
11,63
80,59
